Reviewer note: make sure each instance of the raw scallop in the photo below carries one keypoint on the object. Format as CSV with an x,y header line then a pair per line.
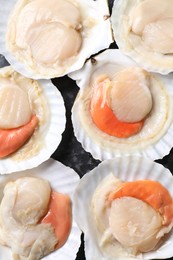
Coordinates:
x,y
23,99
134,224
47,39
158,36
130,96
33,196
94,110
92,196
19,215
143,30
43,23
15,109
150,11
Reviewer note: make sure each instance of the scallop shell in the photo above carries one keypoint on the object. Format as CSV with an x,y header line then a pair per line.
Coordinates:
x,y
128,168
52,131
151,61
97,143
98,11
62,179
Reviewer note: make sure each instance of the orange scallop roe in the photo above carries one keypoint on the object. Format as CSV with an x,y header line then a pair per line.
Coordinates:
x,y
104,118
12,139
149,191
59,216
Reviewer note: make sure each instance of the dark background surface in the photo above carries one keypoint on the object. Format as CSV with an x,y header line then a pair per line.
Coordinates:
x,y
70,151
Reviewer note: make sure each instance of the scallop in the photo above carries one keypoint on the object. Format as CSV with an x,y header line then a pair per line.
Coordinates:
x,y
19,217
143,31
60,32
139,21
130,97
122,109
132,220
15,107
117,225
30,111
33,196
69,27
28,227
154,36
134,224
19,117
36,214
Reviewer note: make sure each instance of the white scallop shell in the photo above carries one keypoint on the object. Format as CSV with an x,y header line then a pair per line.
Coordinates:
x,y
128,168
96,41
52,131
151,61
62,179
156,150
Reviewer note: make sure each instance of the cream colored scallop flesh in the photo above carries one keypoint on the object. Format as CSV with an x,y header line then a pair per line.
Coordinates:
x,y
128,225
24,203
53,23
130,96
158,36
99,202
153,21
135,224
15,109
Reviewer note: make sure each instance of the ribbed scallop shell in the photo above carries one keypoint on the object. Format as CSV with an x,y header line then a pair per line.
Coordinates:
x,y
151,61
127,168
52,130
62,179
154,148
93,42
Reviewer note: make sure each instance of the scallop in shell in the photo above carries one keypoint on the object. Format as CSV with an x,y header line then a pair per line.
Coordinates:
x,y
32,119
90,196
44,39
93,115
143,31
49,174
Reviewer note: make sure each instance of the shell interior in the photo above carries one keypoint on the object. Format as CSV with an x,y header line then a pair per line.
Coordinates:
x,y
110,62
132,44
62,179
51,129
99,17
127,168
